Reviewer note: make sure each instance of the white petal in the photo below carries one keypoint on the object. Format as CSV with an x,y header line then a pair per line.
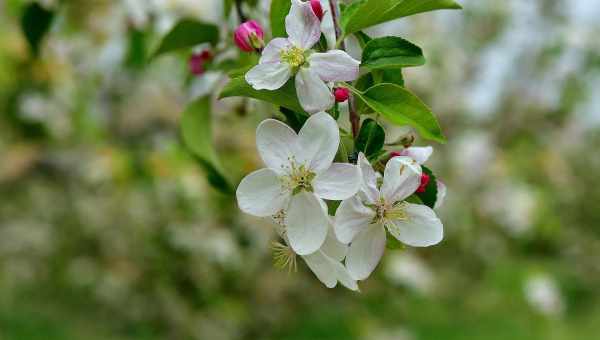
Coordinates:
x,y
322,267
419,153
306,223
401,178
369,179
272,52
313,94
329,271
260,193
351,218
327,26
441,194
268,76
422,228
334,65
302,25
333,248
338,182
276,143
318,142
365,252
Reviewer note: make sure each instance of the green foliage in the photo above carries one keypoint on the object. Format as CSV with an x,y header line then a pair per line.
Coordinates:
x,y
35,23
391,52
294,119
370,139
187,33
429,197
197,136
402,107
285,96
392,243
367,13
279,10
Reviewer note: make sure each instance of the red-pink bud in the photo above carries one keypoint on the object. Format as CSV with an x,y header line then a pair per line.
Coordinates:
x,y
424,182
395,154
196,64
249,36
206,55
341,94
317,9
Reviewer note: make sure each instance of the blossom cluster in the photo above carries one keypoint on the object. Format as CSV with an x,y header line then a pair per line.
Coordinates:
x,y
301,181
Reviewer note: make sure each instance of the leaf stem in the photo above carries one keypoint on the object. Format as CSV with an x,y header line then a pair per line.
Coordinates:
x,y
240,12
353,115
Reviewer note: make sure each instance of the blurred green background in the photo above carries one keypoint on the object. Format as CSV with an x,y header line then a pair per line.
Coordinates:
x,y
109,229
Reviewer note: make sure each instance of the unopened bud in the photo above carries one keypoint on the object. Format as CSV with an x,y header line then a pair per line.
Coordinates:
x,y
317,9
341,94
196,64
249,36
424,182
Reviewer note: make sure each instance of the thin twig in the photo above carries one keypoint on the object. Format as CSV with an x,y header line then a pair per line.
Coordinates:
x,y
353,115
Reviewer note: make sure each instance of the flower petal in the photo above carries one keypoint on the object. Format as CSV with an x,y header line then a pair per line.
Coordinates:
x,y
368,184
419,153
260,193
302,25
327,25
272,52
276,143
338,182
332,247
422,228
334,65
318,142
306,223
313,94
401,178
366,251
268,76
329,271
351,218
441,194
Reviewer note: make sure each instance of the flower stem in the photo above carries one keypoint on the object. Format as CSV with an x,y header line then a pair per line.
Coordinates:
x,y
353,115
240,12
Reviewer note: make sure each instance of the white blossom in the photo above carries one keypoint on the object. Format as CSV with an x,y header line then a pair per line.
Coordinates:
x,y
300,173
363,219
283,58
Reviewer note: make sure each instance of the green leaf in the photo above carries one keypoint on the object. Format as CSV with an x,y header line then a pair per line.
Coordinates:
x,y
187,33
402,107
35,23
367,13
367,80
391,52
284,96
370,139
196,132
363,38
279,10
294,119
429,197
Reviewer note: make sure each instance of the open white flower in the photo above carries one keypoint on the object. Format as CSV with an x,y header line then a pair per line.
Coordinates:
x,y
299,174
363,219
325,263
283,58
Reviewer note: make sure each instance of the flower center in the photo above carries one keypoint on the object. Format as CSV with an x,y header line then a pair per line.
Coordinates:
x,y
293,56
387,212
299,178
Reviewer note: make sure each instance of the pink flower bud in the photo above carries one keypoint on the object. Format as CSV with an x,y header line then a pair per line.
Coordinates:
x,y
249,36
341,94
317,9
395,154
196,64
424,182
